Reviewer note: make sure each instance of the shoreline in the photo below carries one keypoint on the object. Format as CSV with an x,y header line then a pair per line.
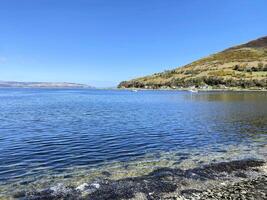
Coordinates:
x,y
148,89
200,90
188,173
238,179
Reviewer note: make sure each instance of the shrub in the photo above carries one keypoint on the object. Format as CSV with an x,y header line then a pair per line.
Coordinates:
x,y
236,67
240,68
260,66
221,73
191,72
166,74
213,80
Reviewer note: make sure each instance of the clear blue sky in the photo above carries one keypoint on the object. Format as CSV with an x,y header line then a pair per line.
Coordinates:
x,y
102,42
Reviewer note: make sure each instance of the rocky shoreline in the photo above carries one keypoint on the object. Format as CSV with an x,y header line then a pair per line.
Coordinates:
x,y
241,179
249,189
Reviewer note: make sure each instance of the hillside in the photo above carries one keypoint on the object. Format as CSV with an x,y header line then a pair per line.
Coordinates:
x,y
242,66
41,84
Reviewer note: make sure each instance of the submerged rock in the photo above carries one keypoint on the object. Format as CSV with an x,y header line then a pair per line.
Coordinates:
x,y
105,173
55,193
168,183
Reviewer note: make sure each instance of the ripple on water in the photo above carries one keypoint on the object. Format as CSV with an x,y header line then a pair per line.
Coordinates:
x,y
50,136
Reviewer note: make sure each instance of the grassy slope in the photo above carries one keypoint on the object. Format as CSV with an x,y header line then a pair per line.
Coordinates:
x,y
241,66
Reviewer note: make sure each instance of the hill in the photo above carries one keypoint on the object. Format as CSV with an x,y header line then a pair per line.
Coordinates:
x,y
242,66
41,84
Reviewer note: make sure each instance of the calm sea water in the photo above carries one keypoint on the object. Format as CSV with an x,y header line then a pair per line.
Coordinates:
x,y
49,131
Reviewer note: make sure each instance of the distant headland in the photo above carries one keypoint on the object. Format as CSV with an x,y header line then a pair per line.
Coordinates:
x,y
15,84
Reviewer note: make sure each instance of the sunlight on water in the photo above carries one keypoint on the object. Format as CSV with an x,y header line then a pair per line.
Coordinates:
x,y
76,136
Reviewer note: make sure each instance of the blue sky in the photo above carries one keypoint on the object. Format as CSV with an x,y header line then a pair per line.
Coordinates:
x,y
102,42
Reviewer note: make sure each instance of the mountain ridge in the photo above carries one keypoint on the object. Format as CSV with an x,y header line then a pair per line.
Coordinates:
x,y
241,66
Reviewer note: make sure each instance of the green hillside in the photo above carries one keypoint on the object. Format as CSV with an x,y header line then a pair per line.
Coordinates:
x,y
242,66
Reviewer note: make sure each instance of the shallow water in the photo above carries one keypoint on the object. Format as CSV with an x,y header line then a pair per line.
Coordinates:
x,y
51,135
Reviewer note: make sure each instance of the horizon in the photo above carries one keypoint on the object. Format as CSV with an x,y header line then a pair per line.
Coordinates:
x,y
102,43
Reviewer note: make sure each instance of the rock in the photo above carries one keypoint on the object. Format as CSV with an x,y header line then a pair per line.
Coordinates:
x,y
19,194
96,185
82,187
105,173
139,196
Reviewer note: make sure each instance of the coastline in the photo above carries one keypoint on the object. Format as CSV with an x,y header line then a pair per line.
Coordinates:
x,y
148,89
238,179
201,90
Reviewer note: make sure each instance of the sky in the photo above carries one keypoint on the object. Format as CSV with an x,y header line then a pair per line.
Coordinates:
x,y
103,42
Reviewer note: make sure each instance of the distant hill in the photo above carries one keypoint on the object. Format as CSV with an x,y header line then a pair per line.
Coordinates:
x,y
242,66
41,84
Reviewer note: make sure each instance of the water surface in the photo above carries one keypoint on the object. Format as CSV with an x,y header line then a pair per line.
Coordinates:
x,y
48,133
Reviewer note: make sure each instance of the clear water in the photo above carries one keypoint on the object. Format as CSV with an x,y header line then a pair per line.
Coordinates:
x,y
50,132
